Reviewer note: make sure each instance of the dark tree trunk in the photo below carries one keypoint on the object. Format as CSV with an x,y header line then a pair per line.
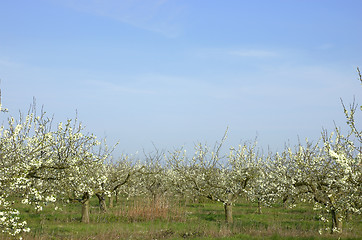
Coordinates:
x,y
259,206
336,221
102,202
228,212
85,207
285,198
111,200
156,199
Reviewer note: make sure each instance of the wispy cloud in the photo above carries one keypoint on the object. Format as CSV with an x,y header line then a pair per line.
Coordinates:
x,y
110,87
253,53
165,86
241,52
8,63
326,46
156,16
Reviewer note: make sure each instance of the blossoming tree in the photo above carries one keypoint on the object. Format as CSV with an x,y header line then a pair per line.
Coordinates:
x,y
210,175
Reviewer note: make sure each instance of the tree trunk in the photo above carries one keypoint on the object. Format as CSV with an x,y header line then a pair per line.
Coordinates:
x,y
187,199
259,206
285,199
336,221
156,199
111,200
228,212
348,215
102,202
85,207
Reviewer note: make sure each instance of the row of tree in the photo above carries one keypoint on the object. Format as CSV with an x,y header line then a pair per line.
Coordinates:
x,y
41,163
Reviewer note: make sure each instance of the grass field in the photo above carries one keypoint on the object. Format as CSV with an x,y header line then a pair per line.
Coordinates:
x,y
140,219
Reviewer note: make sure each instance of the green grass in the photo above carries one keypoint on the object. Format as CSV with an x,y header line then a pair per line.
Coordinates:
x,y
139,220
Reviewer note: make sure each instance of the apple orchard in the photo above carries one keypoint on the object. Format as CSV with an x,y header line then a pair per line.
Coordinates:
x,y
44,162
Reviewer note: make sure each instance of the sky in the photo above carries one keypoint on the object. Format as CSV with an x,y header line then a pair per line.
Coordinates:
x,y
172,73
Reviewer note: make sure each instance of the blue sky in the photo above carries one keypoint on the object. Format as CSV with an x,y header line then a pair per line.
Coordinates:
x,y
173,73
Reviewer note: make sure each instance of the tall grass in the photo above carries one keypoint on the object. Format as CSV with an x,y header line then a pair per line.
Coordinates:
x,y
143,209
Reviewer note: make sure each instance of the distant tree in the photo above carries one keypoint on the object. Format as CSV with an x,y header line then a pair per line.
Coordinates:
x,y
220,179
264,186
154,180
120,173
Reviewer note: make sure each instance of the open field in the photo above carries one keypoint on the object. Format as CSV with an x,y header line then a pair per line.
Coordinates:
x,y
141,219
